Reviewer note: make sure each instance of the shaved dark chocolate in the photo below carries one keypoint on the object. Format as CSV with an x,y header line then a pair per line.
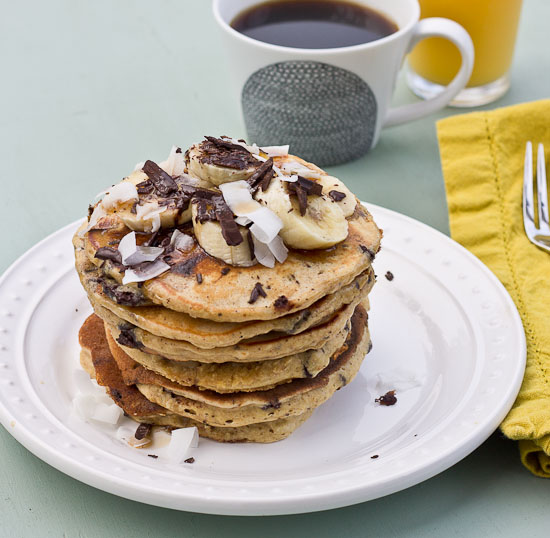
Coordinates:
x,y
126,297
109,253
371,254
300,194
281,302
250,242
303,188
189,460
90,211
145,187
256,292
311,187
230,229
205,211
142,431
337,196
387,399
178,150
221,152
389,275
164,184
261,178
220,142
154,456
127,338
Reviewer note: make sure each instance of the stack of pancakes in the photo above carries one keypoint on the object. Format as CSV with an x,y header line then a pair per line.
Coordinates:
x,y
242,353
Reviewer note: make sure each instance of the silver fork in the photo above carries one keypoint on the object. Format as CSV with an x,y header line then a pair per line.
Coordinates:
x,y
538,235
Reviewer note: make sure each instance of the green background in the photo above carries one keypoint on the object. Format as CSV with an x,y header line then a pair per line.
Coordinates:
x,y
90,88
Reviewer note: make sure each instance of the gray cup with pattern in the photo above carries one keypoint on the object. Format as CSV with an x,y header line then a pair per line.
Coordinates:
x,y
330,105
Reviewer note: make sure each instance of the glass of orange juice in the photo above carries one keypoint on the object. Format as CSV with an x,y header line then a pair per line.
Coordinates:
x,y
492,25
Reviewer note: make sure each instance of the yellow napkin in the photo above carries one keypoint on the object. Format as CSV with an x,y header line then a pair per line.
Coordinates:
x,y
482,156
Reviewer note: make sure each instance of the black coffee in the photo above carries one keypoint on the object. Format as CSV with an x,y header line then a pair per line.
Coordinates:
x,y
313,24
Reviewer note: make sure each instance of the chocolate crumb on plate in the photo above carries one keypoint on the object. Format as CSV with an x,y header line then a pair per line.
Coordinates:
x,y
189,460
387,399
154,456
389,275
256,292
374,457
143,430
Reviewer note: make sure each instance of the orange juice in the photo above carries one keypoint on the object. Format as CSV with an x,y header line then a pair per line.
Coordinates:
x,y
492,25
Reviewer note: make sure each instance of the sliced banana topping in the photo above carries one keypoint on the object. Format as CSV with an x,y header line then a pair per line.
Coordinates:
x,y
322,226
209,235
213,162
333,188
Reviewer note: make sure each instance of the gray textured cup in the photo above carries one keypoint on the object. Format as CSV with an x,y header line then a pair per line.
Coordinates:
x,y
331,104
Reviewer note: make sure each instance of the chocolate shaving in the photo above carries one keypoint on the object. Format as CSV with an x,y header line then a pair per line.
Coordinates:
x,y
224,153
178,150
164,184
123,297
300,194
368,251
153,455
198,276
388,399
127,338
145,187
303,188
90,211
256,292
250,242
230,229
311,187
281,302
373,457
337,196
220,142
189,460
143,430
389,275
205,212
261,178
109,253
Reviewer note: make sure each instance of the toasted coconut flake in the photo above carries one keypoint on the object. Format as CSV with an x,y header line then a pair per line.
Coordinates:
x,y
147,271
276,151
278,249
239,199
120,193
291,168
181,441
263,253
175,163
181,241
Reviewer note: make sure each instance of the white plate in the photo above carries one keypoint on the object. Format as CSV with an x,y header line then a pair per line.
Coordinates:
x,y
445,318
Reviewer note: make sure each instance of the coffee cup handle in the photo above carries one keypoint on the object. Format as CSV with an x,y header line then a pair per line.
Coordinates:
x,y
437,27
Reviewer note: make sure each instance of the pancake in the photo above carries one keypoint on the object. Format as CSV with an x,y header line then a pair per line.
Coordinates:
x,y
209,334
242,408
234,376
304,277
264,347
99,363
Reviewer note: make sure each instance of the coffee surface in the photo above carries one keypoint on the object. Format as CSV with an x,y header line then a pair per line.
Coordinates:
x,y
313,24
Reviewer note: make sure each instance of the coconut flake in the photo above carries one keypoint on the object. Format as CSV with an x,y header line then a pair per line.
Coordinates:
x,y
83,382
186,179
145,272
290,179
139,166
120,193
254,149
175,164
243,221
109,414
263,253
181,241
97,214
294,167
278,249
276,151
84,405
181,441
132,254
266,224
150,211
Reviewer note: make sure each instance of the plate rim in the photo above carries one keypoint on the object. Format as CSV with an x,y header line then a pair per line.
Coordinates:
x,y
302,502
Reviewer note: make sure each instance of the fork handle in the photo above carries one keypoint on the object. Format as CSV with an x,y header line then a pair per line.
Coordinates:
x,y
437,27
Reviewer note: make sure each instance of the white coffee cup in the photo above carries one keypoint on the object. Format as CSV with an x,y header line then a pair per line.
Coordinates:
x,y
331,104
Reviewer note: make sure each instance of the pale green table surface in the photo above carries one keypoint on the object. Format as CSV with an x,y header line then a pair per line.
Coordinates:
x,y
90,88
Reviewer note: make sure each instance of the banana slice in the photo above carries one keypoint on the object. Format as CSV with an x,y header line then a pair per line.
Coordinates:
x,y
214,173
331,183
153,215
210,238
323,225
